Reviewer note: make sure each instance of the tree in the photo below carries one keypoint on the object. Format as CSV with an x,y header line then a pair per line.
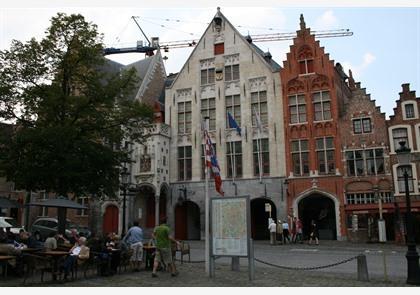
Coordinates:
x,y
70,115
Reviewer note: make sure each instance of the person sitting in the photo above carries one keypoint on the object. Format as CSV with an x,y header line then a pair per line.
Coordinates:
x,y
29,240
11,249
78,254
113,247
51,242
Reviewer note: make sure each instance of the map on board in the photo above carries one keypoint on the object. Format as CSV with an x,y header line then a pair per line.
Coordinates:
x,y
229,226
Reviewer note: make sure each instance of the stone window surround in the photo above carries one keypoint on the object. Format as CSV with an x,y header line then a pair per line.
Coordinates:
x,y
391,139
416,111
361,120
415,180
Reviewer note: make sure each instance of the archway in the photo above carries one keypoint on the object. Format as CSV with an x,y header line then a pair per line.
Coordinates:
x,y
321,209
110,221
259,218
187,221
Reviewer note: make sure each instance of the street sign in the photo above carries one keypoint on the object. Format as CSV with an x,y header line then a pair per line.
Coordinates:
x,y
267,207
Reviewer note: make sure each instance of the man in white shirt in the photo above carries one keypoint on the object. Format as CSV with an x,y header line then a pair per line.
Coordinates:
x,y
272,228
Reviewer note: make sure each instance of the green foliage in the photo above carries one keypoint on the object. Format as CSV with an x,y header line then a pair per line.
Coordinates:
x,y
70,115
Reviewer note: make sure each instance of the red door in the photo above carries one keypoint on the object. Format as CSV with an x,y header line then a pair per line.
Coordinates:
x,y
110,222
181,222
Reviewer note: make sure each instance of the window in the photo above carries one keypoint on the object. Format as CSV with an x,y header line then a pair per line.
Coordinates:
x,y
234,158
261,154
219,48
362,125
43,211
207,76
297,108
398,135
300,157
306,66
375,161
184,163
184,117
208,109
401,181
233,106
325,155
259,106
232,73
368,198
203,162
409,111
355,166
322,105
84,202
362,162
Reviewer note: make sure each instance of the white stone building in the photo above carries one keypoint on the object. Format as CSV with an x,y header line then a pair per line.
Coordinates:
x,y
226,72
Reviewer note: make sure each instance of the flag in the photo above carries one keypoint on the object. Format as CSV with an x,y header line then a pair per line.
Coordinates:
x,y
233,124
211,162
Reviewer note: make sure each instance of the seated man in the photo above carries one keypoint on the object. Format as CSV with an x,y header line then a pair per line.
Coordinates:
x,y
51,242
78,254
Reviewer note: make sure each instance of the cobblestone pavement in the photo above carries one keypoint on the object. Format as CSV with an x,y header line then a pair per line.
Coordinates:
x,y
193,274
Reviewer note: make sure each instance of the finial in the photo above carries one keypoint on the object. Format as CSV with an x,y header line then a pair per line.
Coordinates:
x,y
218,9
302,22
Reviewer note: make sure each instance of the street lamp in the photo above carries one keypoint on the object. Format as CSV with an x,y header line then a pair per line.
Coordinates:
x,y
124,184
413,271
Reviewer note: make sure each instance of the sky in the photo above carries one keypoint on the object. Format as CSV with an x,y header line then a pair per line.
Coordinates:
x,y
383,53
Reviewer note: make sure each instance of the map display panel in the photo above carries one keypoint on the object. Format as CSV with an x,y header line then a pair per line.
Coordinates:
x,y
229,226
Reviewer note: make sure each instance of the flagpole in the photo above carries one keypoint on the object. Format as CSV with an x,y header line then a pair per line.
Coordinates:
x,y
258,123
207,207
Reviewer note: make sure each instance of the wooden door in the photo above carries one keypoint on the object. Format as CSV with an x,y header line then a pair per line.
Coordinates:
x,y
110,222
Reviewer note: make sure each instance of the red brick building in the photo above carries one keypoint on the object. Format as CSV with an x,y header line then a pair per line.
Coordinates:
x,y
367,173
404,125
314,94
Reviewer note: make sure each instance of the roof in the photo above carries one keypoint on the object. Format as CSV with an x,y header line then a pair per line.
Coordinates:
x,y
273,64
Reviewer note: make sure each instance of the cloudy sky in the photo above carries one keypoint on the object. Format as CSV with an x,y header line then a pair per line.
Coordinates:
x,y
383,53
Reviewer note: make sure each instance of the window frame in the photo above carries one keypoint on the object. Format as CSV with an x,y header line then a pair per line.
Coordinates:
x,y
300,152
233,108
207,112
209,76
325,151
182,113
295,104
184,163
322,102
265,156
237,158
258,106
361,124
231,71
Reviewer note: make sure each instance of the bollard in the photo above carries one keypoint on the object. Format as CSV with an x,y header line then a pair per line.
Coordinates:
x,y
362,270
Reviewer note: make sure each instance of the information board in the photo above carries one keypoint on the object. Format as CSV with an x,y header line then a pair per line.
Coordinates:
x,y
230,226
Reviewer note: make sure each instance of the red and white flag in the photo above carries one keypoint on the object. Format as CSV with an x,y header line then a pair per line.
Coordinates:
x,y
211,162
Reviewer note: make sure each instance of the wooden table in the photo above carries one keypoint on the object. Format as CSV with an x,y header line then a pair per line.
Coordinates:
x,y
4,259
55,255
30,250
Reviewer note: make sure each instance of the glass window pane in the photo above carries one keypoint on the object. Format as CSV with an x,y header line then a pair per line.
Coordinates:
x,y
301,99
320,144
316,97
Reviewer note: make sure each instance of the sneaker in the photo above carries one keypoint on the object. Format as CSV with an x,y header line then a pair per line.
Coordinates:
x,y
175,274
154,275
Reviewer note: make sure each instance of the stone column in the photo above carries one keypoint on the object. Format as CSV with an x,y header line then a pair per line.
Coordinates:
x,y
157,199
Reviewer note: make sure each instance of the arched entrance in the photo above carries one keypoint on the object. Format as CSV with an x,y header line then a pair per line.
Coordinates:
x,y
110,221
187,221
321,209
259,218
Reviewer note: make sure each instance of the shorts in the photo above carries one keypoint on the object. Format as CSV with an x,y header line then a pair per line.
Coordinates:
x,y
164,255
137,254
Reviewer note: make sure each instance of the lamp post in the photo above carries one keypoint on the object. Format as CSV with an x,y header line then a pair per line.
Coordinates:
x,y
124,184
413,270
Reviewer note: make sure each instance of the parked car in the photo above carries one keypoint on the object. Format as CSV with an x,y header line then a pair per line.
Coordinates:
x,y
43,226
14,227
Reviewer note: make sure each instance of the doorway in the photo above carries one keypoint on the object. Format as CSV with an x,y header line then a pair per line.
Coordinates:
x,y
187,221
259,218
110,222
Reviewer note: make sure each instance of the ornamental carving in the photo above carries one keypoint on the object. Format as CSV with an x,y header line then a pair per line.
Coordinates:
x,y
207,63
232,88
208,91
232,59
219,38
295,86
257,84
184,93
145,163
305,52
320,82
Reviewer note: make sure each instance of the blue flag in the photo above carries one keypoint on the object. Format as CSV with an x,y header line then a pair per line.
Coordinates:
x,y
233,124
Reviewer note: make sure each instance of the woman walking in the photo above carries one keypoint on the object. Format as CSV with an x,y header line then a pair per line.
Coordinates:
x,y
314,233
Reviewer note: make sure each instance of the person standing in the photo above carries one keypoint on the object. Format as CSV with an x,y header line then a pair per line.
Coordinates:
x,y
272,227
299,231
134,240
314,233
285,226
163,248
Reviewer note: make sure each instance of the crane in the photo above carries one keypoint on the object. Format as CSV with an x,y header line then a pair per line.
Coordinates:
x,y
155,44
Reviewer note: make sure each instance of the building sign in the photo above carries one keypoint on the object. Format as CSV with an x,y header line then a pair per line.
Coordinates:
x,y
267,207
230,226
